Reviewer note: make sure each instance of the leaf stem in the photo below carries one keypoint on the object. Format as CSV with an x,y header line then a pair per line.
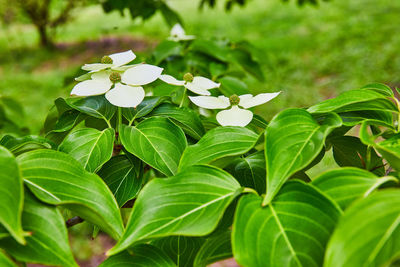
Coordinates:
x,y
249,190
119,122
183,98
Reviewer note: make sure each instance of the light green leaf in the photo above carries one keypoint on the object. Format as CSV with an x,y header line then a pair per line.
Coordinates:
x,y
122,177
345,185
166,49
6,261
218,143
68,120
368,234
95,106
48,243
292,230
190,203
143,255
181,249
186,118
19,145
57,178
375,116
157,141
215,248
292,140
144,108
232,85
211,48
91,147
12,195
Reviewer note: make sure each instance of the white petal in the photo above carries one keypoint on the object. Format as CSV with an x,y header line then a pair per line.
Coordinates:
x,y
101,75
201,85
177,31
257,100
141,74
187,37
96,66
122,58
91,87
125,96
171,80
234,117
210,102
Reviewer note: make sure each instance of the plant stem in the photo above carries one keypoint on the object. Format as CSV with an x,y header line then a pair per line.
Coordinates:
x,y
249,190
183,98
73,221
119,122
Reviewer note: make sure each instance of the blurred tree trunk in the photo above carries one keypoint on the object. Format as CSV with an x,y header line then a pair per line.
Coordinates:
x,y
45,39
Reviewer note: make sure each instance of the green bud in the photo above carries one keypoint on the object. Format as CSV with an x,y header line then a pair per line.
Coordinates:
x,y
234,99
106,60
115,77
188,77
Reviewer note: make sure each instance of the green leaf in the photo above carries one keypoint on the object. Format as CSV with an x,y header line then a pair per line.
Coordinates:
x,y
380,88
157,141
232,85
170,16
91,147
374,235
48,243
292,230
143,255
389,148
215,248
122,177
181,249
13,110
218,143
349,151
12,195
375,116
345,185
186,118
57,178
246,61
6,261
19,145
190,203
144,108
68,120
250,171
356,100
212,49
95,106
166,49
292,140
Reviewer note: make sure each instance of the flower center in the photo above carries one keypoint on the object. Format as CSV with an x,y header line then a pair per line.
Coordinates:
x,y
106,60
188,77
115,77
234,99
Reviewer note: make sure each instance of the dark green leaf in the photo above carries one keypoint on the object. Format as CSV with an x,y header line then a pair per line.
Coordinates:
x,y
95,106
166,49
374,239
57,178
218,143
292,230
170,16
157,141
232,85
190,203
144,108
91,147
215,248
68,120
19,145
186,118
245,60
293,139
348,184
211,48
12,195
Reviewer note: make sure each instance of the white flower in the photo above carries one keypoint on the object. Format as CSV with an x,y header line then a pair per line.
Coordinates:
x,y
112,61
127,82
196,84
235,116
178,34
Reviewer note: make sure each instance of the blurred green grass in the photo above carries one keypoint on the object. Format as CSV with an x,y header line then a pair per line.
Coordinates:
x,y
309,53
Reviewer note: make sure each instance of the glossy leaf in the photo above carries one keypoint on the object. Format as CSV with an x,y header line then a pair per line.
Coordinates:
x,y
345,185
95,106
375,116
57,178
293,230
19,145
143,255
5,261
144,108
186,118
181,249
190,203
166,49
157,141
122,177
250,171
374,239
68,120
211,48
12,195
349,151
292,140
48,243
91,147
232,85
218,143
214,249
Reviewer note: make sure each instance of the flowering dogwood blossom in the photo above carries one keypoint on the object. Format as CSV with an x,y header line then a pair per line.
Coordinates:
x,y
112,61
235,116
197,84
122,86
178,34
